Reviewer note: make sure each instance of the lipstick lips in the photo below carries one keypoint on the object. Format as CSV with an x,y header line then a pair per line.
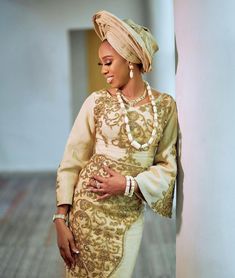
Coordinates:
x,y
109,79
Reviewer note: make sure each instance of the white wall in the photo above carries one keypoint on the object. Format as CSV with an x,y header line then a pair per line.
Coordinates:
x,y
205,89
35,97
161,19
79,68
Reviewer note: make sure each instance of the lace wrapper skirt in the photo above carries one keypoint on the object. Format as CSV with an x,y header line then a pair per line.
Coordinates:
x,y
107,232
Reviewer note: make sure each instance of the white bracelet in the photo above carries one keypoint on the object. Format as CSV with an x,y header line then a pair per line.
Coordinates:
x,y
133,184
128,184
58,216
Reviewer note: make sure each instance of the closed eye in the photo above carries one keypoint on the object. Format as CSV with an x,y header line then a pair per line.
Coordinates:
x,y
106,64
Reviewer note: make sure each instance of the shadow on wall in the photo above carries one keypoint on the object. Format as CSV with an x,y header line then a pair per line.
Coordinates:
x,y
180,175
180,182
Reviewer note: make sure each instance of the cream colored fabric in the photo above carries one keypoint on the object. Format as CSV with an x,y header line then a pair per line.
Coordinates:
x,y
132,241
133,42
99,136
132,244
78,150
157,183
160,162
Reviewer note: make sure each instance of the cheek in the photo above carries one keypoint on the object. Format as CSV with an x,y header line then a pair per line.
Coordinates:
x,y
122,71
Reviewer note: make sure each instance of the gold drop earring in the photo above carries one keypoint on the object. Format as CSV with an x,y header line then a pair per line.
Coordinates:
x,y
131,67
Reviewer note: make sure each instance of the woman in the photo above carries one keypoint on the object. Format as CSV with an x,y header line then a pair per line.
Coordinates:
x,y
119,156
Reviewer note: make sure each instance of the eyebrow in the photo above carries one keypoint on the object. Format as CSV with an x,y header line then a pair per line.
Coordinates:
x,y
107,56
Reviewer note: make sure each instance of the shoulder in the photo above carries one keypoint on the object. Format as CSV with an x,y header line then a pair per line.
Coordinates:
x,y
162,95
103,97
163,98
166,103
93,96
100,93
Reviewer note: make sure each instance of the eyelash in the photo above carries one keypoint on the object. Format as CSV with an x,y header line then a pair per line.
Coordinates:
x,y
106,64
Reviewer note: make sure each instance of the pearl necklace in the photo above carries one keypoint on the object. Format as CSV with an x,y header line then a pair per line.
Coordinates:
x,y
133,142
134,101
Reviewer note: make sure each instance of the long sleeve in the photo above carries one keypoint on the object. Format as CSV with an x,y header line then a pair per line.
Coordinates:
x,y
157,183
78,150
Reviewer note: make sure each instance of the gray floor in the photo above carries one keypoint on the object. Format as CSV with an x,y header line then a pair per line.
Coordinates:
x,y
27,236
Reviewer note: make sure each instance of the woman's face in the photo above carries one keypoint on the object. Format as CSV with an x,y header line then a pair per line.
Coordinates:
x,y
113,66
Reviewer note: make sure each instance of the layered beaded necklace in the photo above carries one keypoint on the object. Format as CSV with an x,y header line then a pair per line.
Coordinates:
x,y
133,142
135,101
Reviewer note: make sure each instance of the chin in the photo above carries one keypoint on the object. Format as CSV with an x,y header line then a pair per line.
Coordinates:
x,y
118,85
113,85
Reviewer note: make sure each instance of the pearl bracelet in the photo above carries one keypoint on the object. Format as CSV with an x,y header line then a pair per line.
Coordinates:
x,y
130,186
133,184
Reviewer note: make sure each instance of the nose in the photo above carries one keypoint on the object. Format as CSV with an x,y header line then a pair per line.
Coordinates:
x,y
104,69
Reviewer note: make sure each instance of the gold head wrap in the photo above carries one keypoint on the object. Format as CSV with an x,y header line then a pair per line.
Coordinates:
x,y
133,42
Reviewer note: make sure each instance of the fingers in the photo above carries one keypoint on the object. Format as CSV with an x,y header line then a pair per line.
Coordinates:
x,y
67,262
93,183
92,187
96,190
100,185
109,170
73,248
99,178
105,196
66,245
67,257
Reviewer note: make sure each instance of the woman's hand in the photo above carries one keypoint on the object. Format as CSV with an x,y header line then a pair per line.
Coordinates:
x,y
65,242
115,184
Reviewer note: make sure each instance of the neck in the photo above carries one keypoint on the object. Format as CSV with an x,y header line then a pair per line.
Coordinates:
x,y
134,88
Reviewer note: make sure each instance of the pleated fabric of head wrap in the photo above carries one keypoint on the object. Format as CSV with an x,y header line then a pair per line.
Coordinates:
x,y
133,42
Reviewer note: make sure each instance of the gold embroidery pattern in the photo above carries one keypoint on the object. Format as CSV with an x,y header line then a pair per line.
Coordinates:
x,y
140,130
164,205
99,227
106,112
